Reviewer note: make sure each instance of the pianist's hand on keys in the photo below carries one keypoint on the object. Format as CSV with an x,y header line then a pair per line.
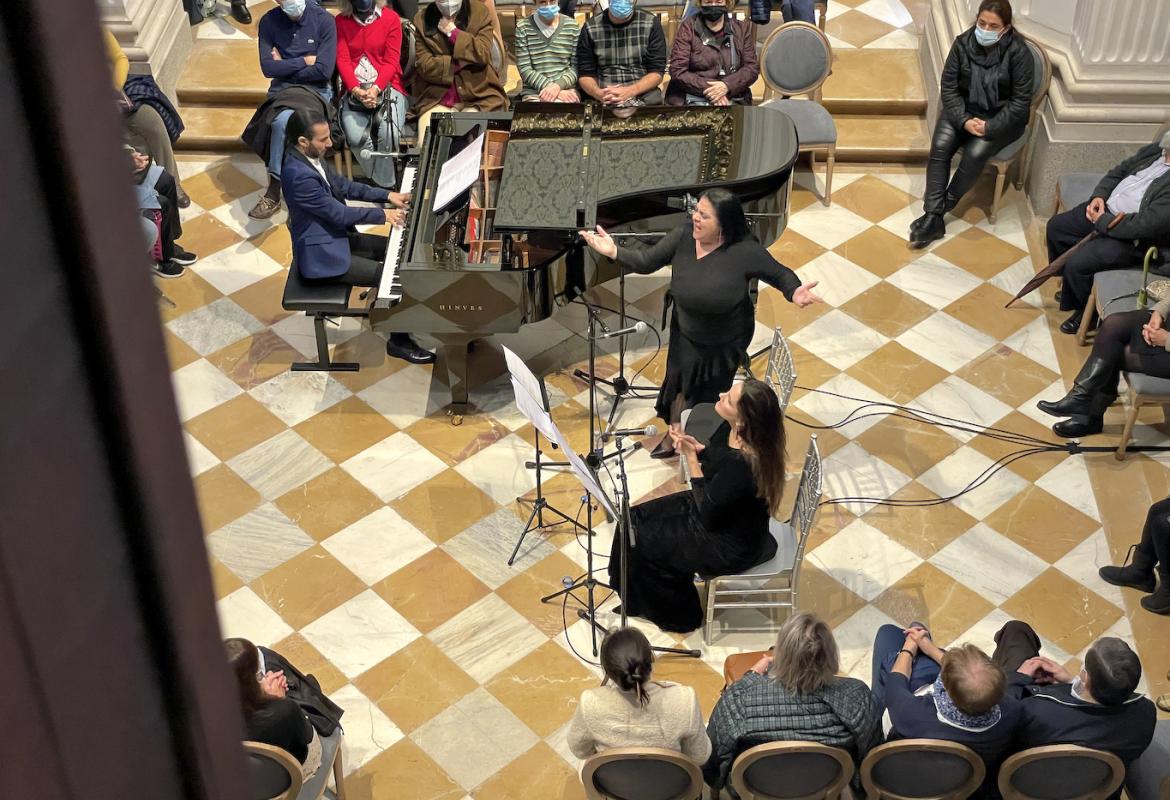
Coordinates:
x,y
395,216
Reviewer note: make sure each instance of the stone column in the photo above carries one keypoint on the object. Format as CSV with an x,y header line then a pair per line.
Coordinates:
x,y
154,33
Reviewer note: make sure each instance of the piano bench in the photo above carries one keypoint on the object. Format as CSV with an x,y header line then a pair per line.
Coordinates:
x,y
319,301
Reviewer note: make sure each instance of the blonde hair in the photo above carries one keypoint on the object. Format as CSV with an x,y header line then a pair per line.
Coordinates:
x,y
973,681
806,658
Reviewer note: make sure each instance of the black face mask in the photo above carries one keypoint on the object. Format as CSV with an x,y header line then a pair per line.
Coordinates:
x,y
712,13
363,7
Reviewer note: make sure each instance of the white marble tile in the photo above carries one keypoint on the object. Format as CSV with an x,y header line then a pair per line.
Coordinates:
x,y
257,542
235,215
360,633
839,339
643,473
215,326
236,267
1012,279
898,223
1083,562
192,211
296,396
601,543
220,29
988,563
487,637
955,398
1055,391
843,175
199,458
891,12
1035,341
200,387
377,545
839,44
944,340
840,280
499,469
864,560
855,640
393,466
297,330
726,642
252,165
828,226
982,635
962,468
851,472
895,40
367,730
830,409
934,280
190,165
279,464
474,738
497,400
404,396
558,740
912,181
484,547
243,614
1069,480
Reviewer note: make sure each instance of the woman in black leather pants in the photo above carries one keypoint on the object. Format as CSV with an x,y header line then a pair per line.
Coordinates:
x,y
986,91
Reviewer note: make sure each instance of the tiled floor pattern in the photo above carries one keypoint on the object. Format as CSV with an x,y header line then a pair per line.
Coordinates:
x,y
350,526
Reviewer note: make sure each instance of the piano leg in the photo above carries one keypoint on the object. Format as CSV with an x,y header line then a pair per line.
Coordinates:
x,y
452,354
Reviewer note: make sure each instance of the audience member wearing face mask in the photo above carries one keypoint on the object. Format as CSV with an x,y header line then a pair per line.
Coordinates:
x,y
713,59
545,44
621,57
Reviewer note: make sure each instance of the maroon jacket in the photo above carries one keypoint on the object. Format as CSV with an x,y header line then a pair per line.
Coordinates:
x,y
695,59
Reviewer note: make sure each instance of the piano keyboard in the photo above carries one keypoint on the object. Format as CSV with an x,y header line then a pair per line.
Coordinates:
x,y
390,284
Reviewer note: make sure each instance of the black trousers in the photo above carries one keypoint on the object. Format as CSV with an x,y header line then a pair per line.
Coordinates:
x,y
1119,342
170,228
1155,541
1103,253
944,190
1015,643
367,251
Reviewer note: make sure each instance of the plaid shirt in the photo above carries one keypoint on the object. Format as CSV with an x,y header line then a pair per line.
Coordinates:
x,y
616,54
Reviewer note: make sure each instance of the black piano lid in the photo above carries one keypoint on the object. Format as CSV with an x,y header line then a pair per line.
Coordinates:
x,y
561,173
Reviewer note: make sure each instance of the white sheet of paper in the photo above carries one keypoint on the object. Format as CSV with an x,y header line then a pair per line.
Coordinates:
x,y
459,173
579,468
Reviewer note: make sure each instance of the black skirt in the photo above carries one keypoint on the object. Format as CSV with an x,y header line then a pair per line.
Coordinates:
x,y
698,372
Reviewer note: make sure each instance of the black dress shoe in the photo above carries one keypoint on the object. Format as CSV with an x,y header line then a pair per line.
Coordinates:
x,y
1073,323
409,351
240,12
1078,426
931,231
917,224
664,449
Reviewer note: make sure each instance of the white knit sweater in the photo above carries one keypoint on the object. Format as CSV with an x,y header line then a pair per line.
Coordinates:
x,y
607,717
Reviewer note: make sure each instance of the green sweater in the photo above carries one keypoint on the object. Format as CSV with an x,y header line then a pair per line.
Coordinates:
x,y
546,59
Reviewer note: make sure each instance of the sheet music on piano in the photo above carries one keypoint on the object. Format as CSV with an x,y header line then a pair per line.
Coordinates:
x,y
389,286
459,173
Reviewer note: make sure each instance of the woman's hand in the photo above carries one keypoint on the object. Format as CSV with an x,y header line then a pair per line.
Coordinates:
x,y
550,93
600,242
804,296
975,126
715,90
762,666
685,443
1152,331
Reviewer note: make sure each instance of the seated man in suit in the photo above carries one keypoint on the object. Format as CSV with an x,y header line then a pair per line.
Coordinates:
x,y
1096,708
326,245
1139,189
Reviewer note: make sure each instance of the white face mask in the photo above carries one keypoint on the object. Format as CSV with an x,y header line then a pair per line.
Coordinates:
x,y
1078,687
1165,142
449,8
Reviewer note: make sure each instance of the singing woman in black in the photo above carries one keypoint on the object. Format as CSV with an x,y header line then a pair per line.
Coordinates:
x,y
713,259
719,526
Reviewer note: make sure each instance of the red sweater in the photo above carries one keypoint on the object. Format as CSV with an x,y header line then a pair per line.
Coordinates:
x,y
380,42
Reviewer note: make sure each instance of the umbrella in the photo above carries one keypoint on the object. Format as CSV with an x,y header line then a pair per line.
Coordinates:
x,y
1057,265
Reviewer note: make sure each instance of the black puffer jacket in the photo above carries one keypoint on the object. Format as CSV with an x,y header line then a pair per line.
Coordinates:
x,y
1008,119
1151,224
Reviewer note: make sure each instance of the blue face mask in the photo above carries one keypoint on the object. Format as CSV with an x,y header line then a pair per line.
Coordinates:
x,y
294,8
621,8
548,13
987,38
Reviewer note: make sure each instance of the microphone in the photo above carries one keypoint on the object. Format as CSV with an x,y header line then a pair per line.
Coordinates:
x,y
636,328
367,154
649,430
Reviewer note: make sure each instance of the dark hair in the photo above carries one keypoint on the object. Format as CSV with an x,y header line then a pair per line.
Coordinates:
x,y
760,426
301,124
729,213
1113,669
244,660
1001,8
627,660
974,682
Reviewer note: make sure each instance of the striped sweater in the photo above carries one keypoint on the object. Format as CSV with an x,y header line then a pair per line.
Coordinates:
x,y
546,59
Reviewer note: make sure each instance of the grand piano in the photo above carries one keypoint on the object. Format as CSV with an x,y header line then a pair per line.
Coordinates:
x,y
497,256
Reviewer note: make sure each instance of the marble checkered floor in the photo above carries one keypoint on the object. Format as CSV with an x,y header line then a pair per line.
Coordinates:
x,y
351,527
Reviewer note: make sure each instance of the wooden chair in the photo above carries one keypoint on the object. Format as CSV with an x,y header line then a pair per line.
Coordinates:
x,y
914,769
796,59
821,9
641,773
1060,770
271,767
792,771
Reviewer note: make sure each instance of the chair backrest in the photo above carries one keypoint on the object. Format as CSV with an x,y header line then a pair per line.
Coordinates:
x,y
641,773
1164,789
926,768
1060,771
796,59
1041,75
784,770
804,509
407,56
780,373
273,772
1161,131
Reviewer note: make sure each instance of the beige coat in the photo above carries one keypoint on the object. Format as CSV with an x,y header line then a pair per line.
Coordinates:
x,y
608,717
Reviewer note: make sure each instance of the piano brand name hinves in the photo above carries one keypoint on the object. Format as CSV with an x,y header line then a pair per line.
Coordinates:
x,y
459,307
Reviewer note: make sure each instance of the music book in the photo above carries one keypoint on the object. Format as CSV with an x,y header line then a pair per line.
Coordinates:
x,y
459,173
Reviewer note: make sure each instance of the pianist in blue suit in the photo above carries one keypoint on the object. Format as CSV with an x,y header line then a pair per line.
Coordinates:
x,y
326,244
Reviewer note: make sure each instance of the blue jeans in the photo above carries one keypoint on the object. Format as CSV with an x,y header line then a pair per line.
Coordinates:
x,y
886,645
276,140
359,134
798,11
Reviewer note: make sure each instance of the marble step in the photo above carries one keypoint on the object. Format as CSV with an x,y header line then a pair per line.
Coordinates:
x,y
882,138
222,71
875,82
213,127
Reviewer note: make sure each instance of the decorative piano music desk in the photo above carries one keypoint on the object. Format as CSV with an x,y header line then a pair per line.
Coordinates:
x,y
495,259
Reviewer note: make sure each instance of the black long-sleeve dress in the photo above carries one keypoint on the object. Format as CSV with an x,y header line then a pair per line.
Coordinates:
x,y
713,318
718,527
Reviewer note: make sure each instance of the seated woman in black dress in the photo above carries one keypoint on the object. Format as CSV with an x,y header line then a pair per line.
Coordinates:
x,y
713,259
720,526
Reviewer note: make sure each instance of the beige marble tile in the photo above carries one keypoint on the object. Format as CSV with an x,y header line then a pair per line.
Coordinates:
x,y
234,426
444,506
538,772
1063,611
487,637
543,687
307,586
383,775
223,496
415,684
411,590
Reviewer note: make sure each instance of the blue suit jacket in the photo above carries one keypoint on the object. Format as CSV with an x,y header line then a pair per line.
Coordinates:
x,y
319,219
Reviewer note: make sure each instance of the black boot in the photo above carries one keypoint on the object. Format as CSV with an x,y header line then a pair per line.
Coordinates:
x,y
1139,574
931,231
918,224
241,13
1079,425
1097,376
1159,601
